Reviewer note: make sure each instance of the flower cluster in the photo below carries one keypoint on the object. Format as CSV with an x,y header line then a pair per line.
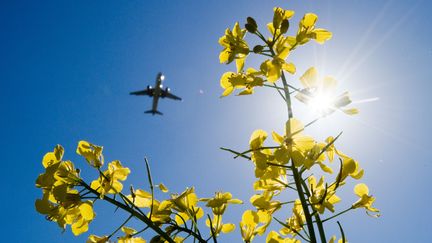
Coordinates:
x,y
68,200
289,164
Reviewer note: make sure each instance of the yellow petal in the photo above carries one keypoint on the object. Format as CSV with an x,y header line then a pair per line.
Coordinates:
x,y
289,67
321,35
79,227
309,78
128,230
250,218
293,127
163,188
277,138
86,210
308,20
51,158
240,64
274,237
361,189
224,81
351,111
97,239
226,228
227,91
257,139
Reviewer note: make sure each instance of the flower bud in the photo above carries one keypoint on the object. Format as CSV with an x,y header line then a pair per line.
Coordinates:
x,y
251,25
284,26
258,49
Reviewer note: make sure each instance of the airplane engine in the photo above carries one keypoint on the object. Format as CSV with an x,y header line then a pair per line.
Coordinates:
x,y
167,90
149,87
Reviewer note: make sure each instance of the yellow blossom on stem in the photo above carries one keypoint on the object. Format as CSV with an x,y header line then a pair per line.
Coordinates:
x,y
220,201
244,80
308,31
274,237
128,237
235,47
92,153
140,198
319,94
97,239
296,221
217,226
263,202
186,206
322,196
108,181
249,226
272,68
365,200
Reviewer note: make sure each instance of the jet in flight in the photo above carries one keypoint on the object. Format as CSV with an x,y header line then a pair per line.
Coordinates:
x,y
157,92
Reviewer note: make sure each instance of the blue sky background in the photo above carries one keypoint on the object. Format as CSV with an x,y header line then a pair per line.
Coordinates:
x,y
66,70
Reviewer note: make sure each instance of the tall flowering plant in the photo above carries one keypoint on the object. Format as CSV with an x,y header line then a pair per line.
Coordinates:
x,y
68,199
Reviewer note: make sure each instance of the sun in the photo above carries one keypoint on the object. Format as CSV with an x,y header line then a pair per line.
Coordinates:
x,y
321,104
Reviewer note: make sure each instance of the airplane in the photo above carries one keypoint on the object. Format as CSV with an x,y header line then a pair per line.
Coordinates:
x,y
156,92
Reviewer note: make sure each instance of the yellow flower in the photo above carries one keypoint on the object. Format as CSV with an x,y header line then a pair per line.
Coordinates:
x,y
162,187
296,221
246,81
333,238
218,226
71,211
97,239
249,224
140,198
161,212
79,217
128,238
220,201
274,184
350,167
274,237
261,156
54,157
293,144
322,197
263,202
92,153
235,47
62,172
56,171
186,206
319,94
308,31
109,181
279,16
272,69
365,200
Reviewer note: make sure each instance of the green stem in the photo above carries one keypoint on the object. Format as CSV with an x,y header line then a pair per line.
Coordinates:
x,y
305,207
151,186
317,217
115,231
334,216
297,177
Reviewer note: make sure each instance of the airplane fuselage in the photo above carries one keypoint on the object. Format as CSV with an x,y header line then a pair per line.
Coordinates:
x,y
157,91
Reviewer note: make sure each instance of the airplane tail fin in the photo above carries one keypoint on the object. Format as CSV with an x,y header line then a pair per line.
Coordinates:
x,y
153,112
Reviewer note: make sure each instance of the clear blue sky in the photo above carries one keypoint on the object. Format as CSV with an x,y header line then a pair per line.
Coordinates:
x,y
66,70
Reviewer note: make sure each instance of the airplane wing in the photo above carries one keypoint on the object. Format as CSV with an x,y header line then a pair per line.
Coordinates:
x,y
148,92
167,94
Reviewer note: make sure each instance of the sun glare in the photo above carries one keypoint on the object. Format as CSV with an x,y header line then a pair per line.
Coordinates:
x,y
321,104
